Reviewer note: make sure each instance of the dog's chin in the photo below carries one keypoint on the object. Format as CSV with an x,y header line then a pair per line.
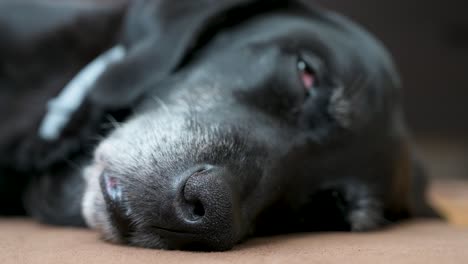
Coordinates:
x,y
93,206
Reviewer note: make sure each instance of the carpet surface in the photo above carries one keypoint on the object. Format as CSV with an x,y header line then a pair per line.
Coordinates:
x,y
418,241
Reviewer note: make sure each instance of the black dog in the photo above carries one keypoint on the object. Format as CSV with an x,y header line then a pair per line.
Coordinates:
x,y
231,118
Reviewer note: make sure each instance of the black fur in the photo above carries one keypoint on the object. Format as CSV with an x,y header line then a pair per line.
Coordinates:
x,y
219,139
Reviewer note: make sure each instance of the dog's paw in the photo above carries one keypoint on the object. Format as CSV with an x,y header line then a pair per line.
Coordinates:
x,y
361,209
366,216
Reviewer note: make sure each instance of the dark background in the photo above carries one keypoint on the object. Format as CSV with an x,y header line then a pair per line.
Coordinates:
x,y
429,42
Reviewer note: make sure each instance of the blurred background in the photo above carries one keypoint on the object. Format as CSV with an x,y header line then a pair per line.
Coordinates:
x,y
429,42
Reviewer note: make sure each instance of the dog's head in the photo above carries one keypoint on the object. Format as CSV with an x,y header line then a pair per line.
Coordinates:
x,y
240,108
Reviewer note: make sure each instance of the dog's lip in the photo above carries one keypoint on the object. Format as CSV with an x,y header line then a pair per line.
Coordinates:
x,y
172,232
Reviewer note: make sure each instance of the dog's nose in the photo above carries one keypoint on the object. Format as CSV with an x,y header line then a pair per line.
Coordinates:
x,y
205,211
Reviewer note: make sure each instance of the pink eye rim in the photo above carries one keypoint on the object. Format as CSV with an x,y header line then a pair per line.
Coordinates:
x,y
307,75
112,187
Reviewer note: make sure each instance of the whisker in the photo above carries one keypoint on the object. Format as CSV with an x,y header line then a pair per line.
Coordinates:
x,y
97,138
162,104
73,164
113,121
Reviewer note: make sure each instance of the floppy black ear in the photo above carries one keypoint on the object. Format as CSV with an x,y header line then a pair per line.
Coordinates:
x,y
157,35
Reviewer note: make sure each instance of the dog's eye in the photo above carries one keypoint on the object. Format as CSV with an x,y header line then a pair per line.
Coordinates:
x,y
111,188
117,210
307,75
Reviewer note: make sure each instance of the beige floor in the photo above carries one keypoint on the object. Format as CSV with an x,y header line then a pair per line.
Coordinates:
x,y
419,241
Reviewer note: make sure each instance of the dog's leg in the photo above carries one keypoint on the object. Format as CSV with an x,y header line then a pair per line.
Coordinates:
x,y
55,197
344,206
347,205
11,187
362,210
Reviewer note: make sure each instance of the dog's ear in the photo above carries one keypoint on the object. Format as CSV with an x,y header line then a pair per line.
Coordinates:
x,y
157,36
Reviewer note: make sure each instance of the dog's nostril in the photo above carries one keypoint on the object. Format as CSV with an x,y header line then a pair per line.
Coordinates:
x,y
203,212
195,208
198,210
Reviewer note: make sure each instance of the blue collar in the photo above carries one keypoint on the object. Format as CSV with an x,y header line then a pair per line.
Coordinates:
x,y
61,108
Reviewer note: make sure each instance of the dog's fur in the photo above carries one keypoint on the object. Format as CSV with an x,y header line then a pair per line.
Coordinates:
x,y
213,136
